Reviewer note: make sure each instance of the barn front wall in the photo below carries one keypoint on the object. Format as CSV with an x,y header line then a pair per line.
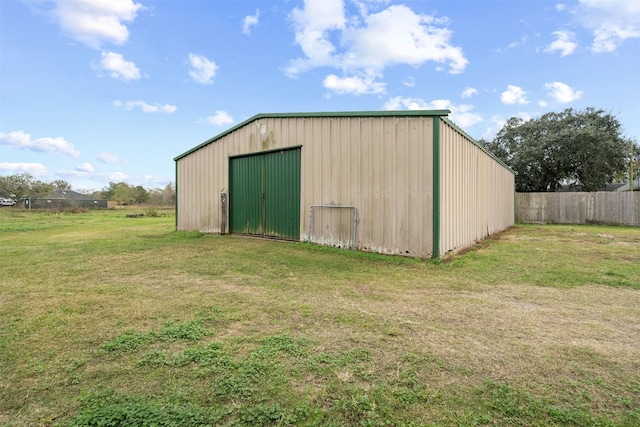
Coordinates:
x,y
379,165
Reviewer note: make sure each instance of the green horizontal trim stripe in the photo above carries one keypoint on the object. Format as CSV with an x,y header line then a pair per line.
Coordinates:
x,y
395,113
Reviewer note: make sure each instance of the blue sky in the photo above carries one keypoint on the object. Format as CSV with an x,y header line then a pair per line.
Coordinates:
x,y
99,91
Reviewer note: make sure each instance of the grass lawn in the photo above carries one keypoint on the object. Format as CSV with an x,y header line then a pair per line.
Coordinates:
x,y
108,320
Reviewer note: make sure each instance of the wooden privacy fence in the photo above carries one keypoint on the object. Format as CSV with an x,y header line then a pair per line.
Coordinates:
x,y
579,208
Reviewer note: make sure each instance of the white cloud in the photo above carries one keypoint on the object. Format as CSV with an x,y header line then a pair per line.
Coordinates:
x,y
497,123
523,40
23,140
117,67
460,114
114,176
35,169
105,157
145,107
409,81
514,95
250,21
311,26
94,22
364,6
463,116
95,176
353,85
371,41
105,177
612,22
85,167
564,43
562,93
468,92
398,35
560,7
220,118
202,69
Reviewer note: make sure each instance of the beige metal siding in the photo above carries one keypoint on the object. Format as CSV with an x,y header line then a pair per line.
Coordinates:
x,y
476,192
204,174
380,165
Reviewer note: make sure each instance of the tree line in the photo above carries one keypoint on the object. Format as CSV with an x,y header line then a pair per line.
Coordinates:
x,y
584,150
23,185
125,194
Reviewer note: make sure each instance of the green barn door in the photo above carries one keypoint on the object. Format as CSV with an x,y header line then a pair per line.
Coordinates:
x,y
264,194
282,194
245,195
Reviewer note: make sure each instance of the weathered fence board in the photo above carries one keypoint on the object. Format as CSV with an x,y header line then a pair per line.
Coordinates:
x,y
579,208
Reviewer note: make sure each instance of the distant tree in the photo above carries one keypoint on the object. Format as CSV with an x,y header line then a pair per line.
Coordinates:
x,y
121,192
41,188
633,167
125,194
24,184
585,149
109,191
155,196
61,184
169,194
118,191
15,185
122,195
142,195
163,196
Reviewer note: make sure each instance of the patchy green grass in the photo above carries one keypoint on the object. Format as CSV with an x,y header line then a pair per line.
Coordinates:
x,y
113,321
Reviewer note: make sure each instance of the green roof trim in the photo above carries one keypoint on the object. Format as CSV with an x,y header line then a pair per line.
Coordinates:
x,y
394,113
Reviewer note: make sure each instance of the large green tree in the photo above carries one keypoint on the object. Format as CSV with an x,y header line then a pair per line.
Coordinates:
x,y
585,149
125,194
23,185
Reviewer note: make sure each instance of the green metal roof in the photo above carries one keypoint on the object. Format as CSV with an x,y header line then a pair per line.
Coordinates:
x,y
395,113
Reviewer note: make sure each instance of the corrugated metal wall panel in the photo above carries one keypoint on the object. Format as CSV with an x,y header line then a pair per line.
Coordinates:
x,y
477,193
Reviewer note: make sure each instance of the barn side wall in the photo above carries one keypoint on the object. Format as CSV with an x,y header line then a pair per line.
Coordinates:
x,y
476,192
380,165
